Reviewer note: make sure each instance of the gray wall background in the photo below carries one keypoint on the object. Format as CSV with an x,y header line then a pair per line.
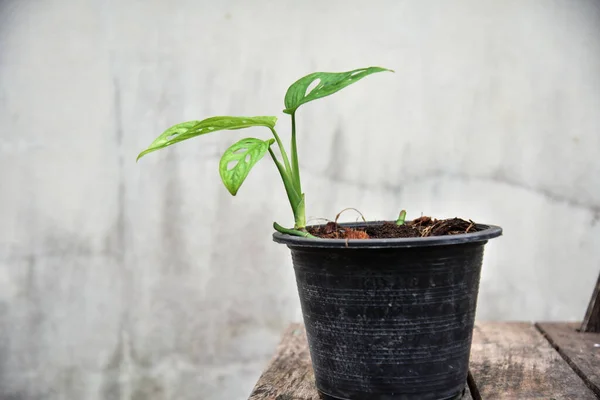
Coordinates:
x,y
124,281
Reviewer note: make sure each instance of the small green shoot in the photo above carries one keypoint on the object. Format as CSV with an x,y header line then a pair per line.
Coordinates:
x,y
401,218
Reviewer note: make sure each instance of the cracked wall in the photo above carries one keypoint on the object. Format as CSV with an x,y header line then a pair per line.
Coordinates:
x,y
124,281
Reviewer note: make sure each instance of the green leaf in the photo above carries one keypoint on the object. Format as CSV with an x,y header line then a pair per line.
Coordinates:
x,y
326,83
244,154
191,129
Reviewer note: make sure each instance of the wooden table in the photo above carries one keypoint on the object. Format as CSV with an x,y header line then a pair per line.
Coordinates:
x,y
514,360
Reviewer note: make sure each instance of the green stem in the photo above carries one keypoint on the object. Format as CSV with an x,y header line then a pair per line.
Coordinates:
x,y
293,232
294,197
300,215
286,160
295,164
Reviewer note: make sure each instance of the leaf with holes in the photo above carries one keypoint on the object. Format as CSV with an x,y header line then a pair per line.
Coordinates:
x,y
321,84
191,129
243,154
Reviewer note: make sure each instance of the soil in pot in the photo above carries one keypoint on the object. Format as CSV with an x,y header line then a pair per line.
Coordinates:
x,y
420,227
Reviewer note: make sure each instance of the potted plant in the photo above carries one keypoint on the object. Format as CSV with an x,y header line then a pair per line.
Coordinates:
x,y
389,307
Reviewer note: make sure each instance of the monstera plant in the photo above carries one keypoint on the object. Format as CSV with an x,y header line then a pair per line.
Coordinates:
x,y
238,160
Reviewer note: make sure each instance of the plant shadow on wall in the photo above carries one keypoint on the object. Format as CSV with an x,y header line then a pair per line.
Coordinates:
x,y
389,306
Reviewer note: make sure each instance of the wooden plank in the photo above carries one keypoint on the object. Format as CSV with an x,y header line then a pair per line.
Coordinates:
x,y
514,361
591,321
581,350
289,375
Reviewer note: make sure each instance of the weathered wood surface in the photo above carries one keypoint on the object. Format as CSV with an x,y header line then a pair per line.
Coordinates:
x,y
581,350
514,361
289,376
591,321
508,361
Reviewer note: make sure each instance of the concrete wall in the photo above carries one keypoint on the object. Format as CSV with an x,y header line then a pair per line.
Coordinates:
x,y
124,281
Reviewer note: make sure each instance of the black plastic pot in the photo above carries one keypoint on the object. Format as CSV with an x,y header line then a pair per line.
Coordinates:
x,y
389,319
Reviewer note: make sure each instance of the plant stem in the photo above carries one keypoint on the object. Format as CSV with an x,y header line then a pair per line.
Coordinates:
x,y
294,197
300,215
293,232
286,160
291,179
299,209
295,164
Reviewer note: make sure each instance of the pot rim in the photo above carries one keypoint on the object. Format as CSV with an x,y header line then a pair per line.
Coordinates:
x,y
487,232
